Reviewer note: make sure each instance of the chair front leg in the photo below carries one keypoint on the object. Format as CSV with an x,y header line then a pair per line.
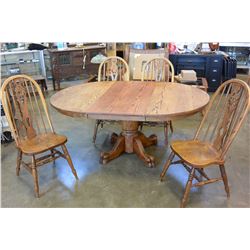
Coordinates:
x,y
224,177
35,176
166,166
19,160
68,158
187,189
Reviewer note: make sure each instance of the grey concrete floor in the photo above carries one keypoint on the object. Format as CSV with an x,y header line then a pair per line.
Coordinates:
x,y
125,181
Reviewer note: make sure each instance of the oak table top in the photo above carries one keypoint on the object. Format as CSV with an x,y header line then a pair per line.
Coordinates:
x,y
130,102
135,101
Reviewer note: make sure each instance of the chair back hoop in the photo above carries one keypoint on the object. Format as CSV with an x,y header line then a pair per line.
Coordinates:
x,y
225,114
136,59
114,68
25,108
159,69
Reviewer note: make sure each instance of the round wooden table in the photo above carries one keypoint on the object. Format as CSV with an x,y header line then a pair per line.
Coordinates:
x,y
130,102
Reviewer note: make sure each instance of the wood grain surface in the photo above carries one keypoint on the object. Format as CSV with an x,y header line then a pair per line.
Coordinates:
x,y
130,101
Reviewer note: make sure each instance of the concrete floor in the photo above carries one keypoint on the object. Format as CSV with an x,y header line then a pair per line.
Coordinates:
x,y
125,181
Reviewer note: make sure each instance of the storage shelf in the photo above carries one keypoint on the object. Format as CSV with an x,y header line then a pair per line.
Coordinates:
x,y
30,62
20,63
7,64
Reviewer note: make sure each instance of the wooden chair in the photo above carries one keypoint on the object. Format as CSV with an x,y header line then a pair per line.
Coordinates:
x,y
219,126
30,123
137,58
159,70
114,68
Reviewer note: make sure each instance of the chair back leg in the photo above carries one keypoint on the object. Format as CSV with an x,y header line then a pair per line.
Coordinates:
x,y
171,126
140,126
52,151
166,133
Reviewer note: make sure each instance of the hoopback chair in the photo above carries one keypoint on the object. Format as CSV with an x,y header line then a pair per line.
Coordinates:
x,y
223,118
114,68
137,58
159,70
31,126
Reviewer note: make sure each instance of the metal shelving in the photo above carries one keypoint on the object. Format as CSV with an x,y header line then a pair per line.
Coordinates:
x,y
30,62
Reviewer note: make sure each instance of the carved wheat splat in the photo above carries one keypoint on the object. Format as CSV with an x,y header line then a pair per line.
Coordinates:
x,y
113,70
22,114
230,109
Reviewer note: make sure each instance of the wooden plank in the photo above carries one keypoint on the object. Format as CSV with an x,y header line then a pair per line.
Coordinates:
x,y
124,99
74,101
174,100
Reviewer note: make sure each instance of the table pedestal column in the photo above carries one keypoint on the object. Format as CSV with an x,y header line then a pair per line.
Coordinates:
x,y
130,141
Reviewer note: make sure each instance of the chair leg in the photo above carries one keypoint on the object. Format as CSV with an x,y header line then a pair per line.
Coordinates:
x,y
97,123
166,132
187,189
52,151
19,160
140,126
171,126
102,123
200,172
224,177
35,176
166,166
66,153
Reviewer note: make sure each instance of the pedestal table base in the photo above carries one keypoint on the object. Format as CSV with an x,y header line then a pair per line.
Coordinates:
x,y
130,141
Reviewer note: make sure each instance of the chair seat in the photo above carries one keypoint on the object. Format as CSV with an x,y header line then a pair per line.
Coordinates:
x,y
42,143
196,153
